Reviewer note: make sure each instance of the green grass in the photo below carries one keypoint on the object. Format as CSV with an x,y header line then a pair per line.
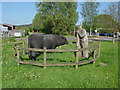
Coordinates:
x,y
86,76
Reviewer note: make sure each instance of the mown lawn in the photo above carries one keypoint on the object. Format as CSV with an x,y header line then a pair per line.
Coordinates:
x,y
86,76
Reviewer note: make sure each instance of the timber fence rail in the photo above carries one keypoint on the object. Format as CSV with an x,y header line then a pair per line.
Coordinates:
x,y
17,48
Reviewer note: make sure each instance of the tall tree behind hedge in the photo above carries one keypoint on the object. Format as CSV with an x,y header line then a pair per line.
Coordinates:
x,y
112,10
89,12
106,21
56,17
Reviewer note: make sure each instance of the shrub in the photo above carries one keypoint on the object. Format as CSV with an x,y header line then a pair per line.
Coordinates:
x,y
9,39
26,32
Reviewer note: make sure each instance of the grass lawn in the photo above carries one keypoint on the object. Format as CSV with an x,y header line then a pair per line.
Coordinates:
x,y
86,76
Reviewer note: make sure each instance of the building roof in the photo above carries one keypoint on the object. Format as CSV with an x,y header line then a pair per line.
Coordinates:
x,y
8,25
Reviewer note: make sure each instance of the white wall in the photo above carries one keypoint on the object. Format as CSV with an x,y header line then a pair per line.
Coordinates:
x,y
4,29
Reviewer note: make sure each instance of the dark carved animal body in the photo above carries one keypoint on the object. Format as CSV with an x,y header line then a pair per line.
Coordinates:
x,y
43,40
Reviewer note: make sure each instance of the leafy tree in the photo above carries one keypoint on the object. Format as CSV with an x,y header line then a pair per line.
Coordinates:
x,y
112,10
106,21
24,27
89,12
56,17
37,23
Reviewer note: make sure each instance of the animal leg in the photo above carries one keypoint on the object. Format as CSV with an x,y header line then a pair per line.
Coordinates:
x,y
33,55
30,54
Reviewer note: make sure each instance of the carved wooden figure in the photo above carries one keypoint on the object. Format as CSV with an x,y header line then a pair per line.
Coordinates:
x,y
82,34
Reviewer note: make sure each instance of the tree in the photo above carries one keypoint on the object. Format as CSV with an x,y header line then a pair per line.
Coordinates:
x,y
112,10
37,23
56,17
27,27
89,12
106,21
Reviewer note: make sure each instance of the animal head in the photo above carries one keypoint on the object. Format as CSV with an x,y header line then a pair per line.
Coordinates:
x,y
64,40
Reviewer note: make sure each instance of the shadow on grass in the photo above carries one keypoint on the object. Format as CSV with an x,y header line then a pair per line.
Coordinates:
x,y
51,60
58,61
85,64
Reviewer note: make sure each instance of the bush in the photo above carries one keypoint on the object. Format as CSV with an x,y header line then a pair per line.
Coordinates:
x,y
9,39
33,32
26,32
12,39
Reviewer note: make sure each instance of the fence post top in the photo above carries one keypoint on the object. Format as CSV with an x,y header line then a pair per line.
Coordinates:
x,y
44,47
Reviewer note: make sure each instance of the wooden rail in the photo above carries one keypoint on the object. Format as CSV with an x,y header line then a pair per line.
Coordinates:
x,y
57,64
16,47
57,50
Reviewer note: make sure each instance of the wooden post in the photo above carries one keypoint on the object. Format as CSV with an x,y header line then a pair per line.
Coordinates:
x,y
99,50
77,57
23,47
97,34
14,50
113,37
94,56
78,45
18,56
44,57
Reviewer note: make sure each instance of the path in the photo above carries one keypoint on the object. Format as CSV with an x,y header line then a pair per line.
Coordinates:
x,y
101,38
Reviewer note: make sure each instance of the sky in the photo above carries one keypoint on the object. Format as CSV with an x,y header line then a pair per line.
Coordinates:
x,y
21,13
18,12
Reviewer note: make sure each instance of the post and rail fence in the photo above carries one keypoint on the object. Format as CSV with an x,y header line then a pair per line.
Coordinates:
x,y
16,47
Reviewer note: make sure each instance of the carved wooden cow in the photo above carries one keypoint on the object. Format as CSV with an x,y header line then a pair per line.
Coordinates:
x,y
44,40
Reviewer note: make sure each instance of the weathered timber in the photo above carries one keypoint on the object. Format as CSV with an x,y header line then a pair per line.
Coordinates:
x,y
95,53
77,57
18,57
58,50
77,53
88,42
79,63
45,56
113,37
33,63
99,50
78,46
13,51
57,64
18,43
15,58
16,47
23,47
